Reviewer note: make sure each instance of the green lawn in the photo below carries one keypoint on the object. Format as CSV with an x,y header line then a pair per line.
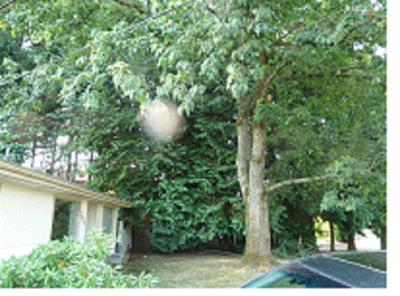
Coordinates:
x,y
200,270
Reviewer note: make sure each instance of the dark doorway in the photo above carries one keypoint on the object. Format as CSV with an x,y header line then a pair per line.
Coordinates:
x,y
62,211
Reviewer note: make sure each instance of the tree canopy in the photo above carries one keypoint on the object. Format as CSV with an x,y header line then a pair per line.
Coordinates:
x,y
284,101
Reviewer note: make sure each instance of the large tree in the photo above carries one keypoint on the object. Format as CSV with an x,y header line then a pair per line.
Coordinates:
x,y
261,52
266,56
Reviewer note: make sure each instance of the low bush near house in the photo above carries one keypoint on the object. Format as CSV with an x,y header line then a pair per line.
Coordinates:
x,y
68,264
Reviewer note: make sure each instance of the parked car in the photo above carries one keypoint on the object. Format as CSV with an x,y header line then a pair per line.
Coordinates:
x,y
335,270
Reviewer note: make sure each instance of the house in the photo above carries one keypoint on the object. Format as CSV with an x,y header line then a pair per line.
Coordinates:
x,y
28,201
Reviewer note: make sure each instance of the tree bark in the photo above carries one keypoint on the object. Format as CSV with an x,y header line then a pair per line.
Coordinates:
x,y
383,238
75,165
258,241
53,156
140,241
69,166
69,159
300,181
33,153
6,4
351,244
332,236
130,5
258,236
243,152
307,235
91,158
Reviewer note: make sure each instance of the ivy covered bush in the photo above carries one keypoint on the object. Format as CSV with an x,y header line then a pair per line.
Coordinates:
x,y
69,264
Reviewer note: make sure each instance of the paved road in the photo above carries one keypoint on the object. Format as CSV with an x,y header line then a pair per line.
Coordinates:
x,y
325,246
369,242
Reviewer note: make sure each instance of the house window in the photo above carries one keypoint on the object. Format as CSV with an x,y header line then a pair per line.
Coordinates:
x,y
108,220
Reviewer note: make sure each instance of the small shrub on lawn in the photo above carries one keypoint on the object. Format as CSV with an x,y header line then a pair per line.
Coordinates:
x,y
69,264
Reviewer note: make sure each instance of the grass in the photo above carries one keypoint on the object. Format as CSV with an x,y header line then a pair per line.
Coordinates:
x,y
199,270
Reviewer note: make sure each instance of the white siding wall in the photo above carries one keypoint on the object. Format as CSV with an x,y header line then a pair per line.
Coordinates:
x,y
26,217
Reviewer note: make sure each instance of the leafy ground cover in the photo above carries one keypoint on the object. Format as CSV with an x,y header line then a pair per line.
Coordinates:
x,y
69,264
199,270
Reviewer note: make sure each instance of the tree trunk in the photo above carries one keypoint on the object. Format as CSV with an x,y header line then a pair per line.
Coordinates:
x,y
243,152
332,235
91,158
383,238
351,244
140,240
53,156
69,158
33,153
69,166
75,165
307,235
7,153
258,242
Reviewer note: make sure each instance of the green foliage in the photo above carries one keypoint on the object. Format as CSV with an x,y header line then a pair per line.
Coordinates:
x,y
68,264
62,210
182,218
356,199
91,65
186,190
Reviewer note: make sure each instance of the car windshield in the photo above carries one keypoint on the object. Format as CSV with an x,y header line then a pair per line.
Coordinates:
x,y
293,276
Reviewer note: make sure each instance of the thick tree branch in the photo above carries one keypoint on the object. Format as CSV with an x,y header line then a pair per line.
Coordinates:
x,y
130,5
299,181
280,41
132,27
265,82
376,159
354,28
351,72
333,75
277,70
6,4
211,9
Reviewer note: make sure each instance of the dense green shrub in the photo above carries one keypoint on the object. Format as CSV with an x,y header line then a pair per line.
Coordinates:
x,y
184,192
68,264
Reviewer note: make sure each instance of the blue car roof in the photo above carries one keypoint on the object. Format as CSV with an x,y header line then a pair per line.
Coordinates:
x,y
346,272
338,270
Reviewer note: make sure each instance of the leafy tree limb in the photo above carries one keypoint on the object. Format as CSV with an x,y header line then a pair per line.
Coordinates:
x,y
6,4
300,181
131,5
